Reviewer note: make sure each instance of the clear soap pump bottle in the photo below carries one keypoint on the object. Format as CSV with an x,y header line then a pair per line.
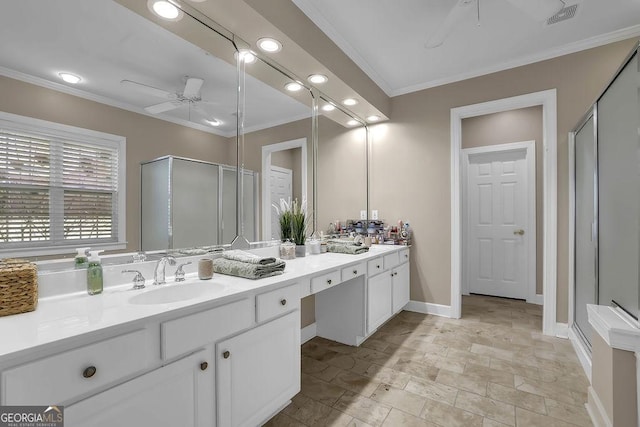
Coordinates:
x,y
94,274
81,260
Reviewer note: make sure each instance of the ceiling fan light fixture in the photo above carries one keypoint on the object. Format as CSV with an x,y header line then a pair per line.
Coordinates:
x,y
293,86
318,79
70,78
349,102
267,44
165,10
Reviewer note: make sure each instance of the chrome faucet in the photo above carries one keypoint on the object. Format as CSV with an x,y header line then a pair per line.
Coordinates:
x,y
159,272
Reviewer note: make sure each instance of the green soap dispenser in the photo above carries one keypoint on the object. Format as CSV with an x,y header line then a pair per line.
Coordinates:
x,y
94,274
81,260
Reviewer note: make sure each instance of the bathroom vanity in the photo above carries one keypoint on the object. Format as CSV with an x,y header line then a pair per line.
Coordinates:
x,y
223,352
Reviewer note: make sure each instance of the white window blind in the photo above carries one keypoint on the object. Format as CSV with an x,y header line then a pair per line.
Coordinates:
x,y
58,190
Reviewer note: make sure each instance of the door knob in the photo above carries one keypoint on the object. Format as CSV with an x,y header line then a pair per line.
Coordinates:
x,y
519,232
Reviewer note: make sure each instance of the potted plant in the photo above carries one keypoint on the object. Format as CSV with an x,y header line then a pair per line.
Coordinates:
x,y
284,218
299,226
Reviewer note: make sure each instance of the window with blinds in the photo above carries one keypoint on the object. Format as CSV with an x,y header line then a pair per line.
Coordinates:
x,y
56,189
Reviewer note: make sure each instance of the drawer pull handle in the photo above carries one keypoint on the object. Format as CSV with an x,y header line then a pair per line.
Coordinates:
x,y
283,301
89,372
329,281
355,272
204,366
226,354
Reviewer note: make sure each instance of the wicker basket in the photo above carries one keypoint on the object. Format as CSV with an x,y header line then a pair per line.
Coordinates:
x,y
18,286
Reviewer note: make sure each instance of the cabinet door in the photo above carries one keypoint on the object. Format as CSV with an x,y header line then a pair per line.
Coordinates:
x,y
378,300
400,287
258,372
179,394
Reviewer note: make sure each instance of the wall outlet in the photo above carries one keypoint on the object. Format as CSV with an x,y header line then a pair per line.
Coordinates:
x,y
374,214
363,214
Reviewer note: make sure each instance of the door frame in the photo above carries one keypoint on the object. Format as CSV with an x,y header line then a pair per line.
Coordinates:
x,y
530,156
267,151
547,99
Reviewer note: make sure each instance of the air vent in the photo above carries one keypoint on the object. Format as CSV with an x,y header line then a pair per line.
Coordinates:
x,y
565,13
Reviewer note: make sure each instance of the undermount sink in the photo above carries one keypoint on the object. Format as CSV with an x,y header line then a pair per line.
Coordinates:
x,y
165,294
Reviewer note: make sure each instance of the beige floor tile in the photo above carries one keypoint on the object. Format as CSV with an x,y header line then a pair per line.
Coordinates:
x,y
283,420
363,408
355,383
416,369
321,391
498,411
336,418
432,390
490,375
443,363
449,416
401,399
343,361
569,413
397,418
488,422
528,418
387,376
307,410
462,382
515,368
467,356
515,397
498,353
546,390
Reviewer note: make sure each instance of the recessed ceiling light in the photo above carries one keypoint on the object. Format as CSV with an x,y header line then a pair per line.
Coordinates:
x,y
353,122
350,101
293,86
328,107
70,78
246,56
214,122
318,78
373,118
269,45
165,10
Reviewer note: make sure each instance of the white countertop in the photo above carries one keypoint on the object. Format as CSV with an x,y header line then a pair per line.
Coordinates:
x,y
68,316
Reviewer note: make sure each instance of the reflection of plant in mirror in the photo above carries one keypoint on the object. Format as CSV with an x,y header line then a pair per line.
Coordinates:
x,y
284,214
299,221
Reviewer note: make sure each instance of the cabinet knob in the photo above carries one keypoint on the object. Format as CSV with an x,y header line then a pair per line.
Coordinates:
x,y
378,266
406,255
283,301
204,366
392,274
226,354
329,281
355,272
89,372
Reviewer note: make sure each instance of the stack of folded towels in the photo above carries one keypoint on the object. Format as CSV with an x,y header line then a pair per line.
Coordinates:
x,y
247,265
345,247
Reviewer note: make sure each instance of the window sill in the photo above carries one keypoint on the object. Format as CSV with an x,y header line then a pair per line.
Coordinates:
x,y
59,250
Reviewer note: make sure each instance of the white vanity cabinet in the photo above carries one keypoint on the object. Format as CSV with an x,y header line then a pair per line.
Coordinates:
x,y
178,394
379,304
400,286
258,372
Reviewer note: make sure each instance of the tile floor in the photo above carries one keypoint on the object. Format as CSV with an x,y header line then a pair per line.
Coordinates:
x,y
491,368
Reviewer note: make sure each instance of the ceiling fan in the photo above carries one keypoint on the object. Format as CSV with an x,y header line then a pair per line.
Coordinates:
x,y
539,10
190,95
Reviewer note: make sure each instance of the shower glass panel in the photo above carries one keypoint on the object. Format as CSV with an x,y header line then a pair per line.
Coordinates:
x,y
585,226
619,190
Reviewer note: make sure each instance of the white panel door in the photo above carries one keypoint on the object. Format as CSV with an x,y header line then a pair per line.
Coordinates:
x,y
281,182
497,209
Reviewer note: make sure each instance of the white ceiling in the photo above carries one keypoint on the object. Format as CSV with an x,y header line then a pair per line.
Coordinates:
x,y
104,43
386,38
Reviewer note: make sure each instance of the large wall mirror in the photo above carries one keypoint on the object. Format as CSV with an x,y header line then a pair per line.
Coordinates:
x,y
171,89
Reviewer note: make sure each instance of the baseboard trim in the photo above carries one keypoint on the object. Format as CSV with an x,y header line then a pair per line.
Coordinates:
x,y
596,410
584,355
429,308
562,330
538,300
307,333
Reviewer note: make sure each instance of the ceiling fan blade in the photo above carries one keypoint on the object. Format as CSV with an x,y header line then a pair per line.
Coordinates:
x,y
163,106
192,87
540,10
436,38
149,90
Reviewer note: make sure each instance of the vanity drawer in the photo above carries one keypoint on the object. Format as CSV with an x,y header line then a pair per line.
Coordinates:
x,y
320,283
348,273
274,303
62,377
391,260
403,255
188,333
375,266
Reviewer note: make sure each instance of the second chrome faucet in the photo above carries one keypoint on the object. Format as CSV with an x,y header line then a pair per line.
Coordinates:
x,y
159,273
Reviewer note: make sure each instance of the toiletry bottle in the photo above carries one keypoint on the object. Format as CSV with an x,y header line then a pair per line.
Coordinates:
x,y
81,260
94,274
